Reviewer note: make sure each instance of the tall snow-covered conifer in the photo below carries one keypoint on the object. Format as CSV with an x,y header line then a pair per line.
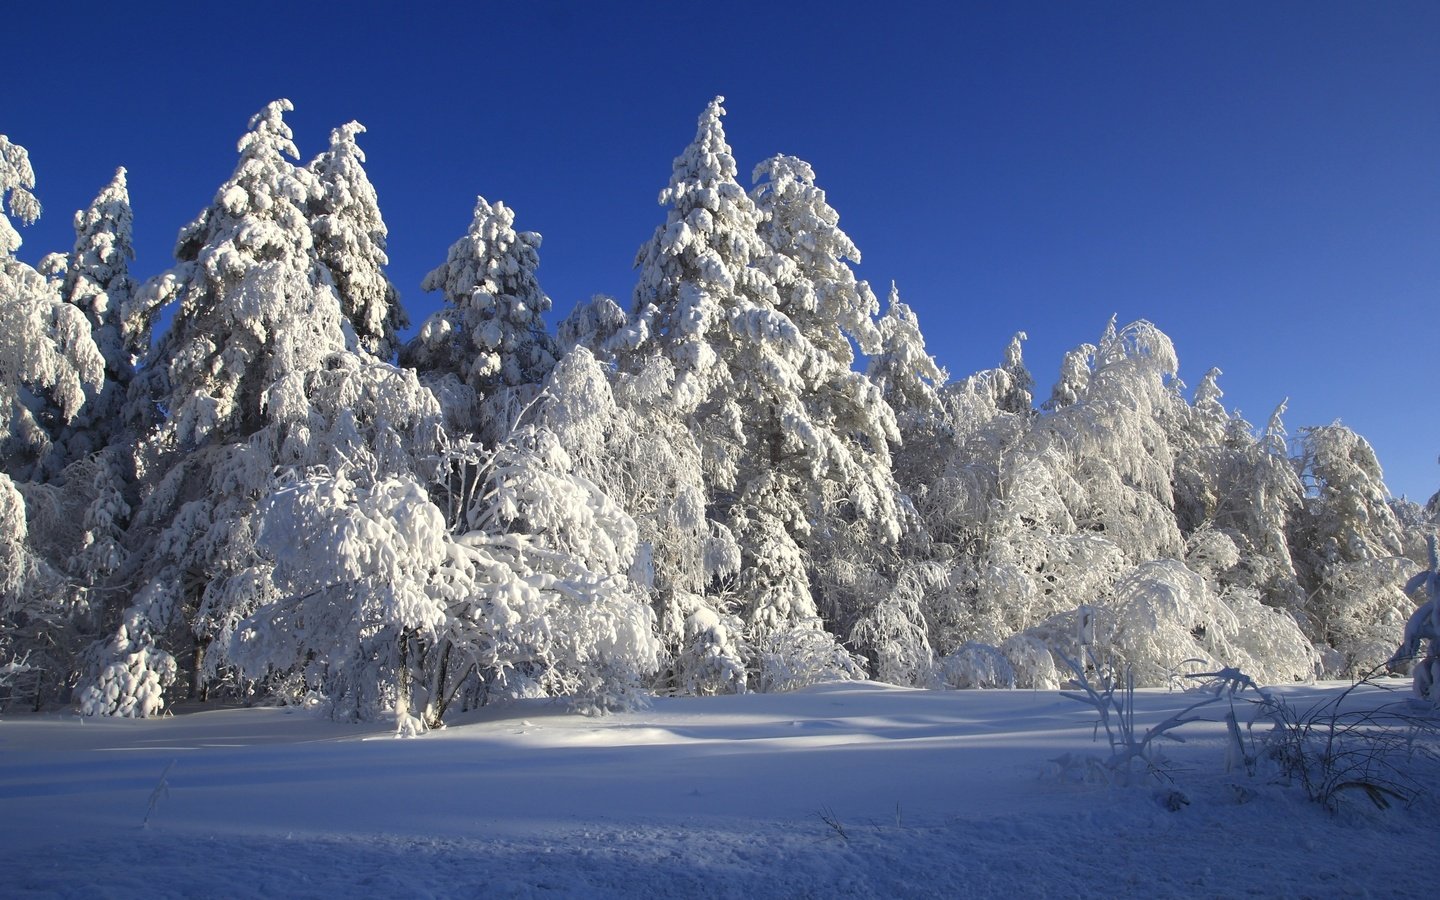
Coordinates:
x,y
257,312
49,360
97,281
753,309
846,482
489,336
350,235
1349,550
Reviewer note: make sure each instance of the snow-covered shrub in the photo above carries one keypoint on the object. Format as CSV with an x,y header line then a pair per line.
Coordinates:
x,y
802,655
133,671
1160,616
1333,753
712,658
894,634
1032,662
1420,648
975,665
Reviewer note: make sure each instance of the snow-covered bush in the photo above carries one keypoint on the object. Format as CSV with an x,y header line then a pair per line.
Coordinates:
x,y
804,655
893,633
975,665
1420,648
1032,662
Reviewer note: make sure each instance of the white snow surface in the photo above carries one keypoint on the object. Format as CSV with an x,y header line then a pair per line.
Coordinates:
x,y
938,793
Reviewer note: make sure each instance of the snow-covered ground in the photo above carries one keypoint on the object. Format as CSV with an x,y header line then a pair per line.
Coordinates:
x,y
926,794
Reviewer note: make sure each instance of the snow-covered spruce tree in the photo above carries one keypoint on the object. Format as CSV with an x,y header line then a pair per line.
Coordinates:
x,y
909,378
748,382
1347,550
97,281
98,447
49,364
256,312
1255,491
853,503
486,351
1017,392
1198,432
50,369
349,235
911,381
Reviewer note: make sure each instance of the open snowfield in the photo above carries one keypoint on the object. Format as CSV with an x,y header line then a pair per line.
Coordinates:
x,y
931,794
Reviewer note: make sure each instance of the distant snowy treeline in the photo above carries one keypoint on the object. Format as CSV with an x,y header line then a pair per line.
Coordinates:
x,y
698,492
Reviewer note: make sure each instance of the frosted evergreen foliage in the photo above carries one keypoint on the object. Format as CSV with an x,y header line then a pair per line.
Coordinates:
x,y
1017,392
1258,494
1420,646
789,437
134,670
50,362
257,325
1074,377
350,235
818,290
254,302
593,325
17,181
910,380
697,265
1349,541
490,335
13,532
97,281
908,377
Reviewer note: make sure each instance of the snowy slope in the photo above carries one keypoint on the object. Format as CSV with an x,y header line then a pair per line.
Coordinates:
x,y
937,794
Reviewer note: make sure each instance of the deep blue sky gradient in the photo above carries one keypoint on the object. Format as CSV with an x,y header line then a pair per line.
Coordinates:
x,y
1260,180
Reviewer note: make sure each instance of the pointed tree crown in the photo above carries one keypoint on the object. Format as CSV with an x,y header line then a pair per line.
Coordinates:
x,y
350,237
491,333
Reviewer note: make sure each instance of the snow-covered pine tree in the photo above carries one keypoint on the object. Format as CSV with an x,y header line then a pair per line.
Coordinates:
x,y
97,281
1257,492
487,348
50,369
749,382
350,235
50,362
256,313
1347,550
1198,431
844,472
697,295
1017,394
910,380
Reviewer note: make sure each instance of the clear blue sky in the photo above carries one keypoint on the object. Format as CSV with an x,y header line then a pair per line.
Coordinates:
x,y
1260,180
